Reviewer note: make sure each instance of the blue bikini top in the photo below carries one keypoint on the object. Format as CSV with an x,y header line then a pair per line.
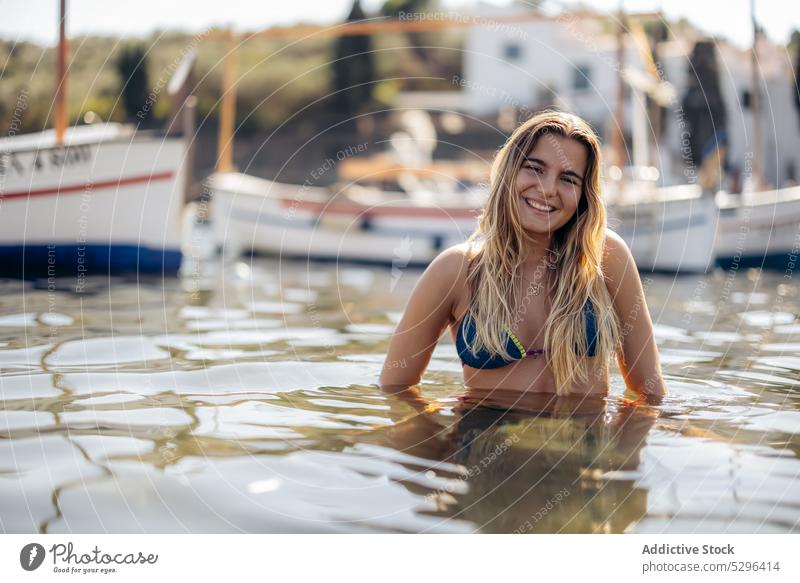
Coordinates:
x,y
466,331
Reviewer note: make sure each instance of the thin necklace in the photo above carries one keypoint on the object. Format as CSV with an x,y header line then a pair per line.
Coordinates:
x,y
551,260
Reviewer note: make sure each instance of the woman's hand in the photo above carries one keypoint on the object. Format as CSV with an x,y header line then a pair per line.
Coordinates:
x,y
404,395
638,360
427,314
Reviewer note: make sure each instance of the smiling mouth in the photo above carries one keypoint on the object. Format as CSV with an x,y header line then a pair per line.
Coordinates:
x,y
545,208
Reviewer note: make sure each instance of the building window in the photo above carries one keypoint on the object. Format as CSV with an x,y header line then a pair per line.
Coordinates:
x,y
512,52
745,99
581,78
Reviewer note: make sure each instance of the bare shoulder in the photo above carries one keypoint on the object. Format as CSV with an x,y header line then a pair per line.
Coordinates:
x,y
446,276
615,246
452,262
617,260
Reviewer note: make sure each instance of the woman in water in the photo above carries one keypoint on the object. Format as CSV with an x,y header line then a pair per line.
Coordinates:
x,y
542,294
537,300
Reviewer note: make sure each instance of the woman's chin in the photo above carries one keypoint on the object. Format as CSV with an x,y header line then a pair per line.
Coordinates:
x,y
538,233
537,228
542,226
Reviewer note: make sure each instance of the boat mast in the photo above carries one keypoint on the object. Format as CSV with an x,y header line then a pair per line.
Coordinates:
x,y
619,136
61,76
227,117
755,106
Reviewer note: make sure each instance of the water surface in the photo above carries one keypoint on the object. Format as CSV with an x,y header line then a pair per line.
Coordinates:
x,y
141,407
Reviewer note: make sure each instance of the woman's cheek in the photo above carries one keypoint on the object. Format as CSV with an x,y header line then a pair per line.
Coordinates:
x,y
571,199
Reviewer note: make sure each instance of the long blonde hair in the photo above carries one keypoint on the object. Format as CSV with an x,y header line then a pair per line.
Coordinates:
x,y
496,248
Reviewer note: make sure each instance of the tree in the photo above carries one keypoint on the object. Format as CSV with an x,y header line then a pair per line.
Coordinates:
x,y
132,69
703,103
419,42
353,68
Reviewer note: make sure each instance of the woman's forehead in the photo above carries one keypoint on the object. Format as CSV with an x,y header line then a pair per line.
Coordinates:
x,y
560,152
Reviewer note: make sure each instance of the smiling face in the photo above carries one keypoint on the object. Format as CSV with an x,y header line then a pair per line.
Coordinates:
x,y
550,183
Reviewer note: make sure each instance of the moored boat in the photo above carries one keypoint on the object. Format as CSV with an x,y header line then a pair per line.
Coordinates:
x,y
759,230
358,225
93,199
106,200
671,231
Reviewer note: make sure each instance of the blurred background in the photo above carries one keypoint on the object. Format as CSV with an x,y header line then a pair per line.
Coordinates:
x,y
290,88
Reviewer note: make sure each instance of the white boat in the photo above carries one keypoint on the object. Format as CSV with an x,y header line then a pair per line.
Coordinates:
x,y
761,229
360,225
94,199
672,232
668,229
106,200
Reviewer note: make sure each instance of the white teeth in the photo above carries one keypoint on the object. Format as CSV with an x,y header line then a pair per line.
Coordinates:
x,y
536,205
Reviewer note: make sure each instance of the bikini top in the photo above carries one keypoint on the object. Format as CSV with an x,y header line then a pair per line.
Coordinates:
x,y
483,359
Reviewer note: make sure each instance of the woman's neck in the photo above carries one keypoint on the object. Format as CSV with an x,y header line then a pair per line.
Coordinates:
x,y
535,249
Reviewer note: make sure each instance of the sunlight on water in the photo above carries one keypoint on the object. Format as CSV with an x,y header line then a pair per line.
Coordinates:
x,y
254,408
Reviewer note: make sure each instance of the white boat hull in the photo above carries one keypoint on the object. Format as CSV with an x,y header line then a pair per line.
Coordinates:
x,y
762,233
251,214
256,215
669,234
106,201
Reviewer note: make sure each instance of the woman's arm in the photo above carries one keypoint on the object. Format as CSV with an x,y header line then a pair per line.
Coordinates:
x,y
426,316
638,360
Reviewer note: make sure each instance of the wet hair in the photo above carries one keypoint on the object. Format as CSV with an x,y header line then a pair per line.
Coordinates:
x,y
497,250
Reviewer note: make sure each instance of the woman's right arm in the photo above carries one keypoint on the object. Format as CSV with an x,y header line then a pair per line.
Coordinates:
x,y
426,316
638,359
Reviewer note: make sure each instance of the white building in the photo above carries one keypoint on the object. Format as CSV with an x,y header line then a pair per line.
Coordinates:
x,y
571,61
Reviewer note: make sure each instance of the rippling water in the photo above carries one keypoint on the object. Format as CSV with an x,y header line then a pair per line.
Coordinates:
x,y
139,407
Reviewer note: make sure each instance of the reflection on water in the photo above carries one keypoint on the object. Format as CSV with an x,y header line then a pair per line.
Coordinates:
x,y
137,407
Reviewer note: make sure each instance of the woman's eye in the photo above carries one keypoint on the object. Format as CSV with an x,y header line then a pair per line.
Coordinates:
x,y
569,181
535,169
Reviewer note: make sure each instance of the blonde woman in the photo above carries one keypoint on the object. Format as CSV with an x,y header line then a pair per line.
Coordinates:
x,y
542,294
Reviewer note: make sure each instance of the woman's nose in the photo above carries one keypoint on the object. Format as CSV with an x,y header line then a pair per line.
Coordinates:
x,y
547,184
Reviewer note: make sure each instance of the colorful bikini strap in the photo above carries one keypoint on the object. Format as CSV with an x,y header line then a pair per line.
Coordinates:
x,y
522,352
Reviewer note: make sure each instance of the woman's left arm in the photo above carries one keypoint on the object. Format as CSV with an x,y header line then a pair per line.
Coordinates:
x,y
638,359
